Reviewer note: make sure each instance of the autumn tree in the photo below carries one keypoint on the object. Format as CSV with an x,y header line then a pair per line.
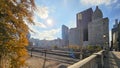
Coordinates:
x,y
14,14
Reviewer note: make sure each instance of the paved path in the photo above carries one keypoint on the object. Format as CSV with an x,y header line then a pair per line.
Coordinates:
x,y
112,60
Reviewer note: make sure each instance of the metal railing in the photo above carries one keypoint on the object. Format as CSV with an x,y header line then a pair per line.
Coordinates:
x,y
93,61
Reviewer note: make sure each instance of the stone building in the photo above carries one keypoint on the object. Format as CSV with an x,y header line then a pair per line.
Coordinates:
x,y
74,37
92,29
83,18
98,29
79,35
116,36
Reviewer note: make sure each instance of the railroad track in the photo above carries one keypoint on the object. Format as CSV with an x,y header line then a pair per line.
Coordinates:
x,y
55,57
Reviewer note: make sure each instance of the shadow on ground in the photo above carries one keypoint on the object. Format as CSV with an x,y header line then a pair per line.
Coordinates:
x,y
117,60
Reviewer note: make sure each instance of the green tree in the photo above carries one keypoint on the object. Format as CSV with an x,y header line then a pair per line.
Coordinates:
x,y
13,31
93,49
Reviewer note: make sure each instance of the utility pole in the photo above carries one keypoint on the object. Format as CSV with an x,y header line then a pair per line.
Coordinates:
x,y
44,59
32,48
31,51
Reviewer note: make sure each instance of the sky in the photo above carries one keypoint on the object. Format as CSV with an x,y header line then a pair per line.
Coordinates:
x,y
52,14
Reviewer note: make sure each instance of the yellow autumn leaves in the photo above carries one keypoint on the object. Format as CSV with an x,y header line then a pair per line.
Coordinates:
x,y
13,31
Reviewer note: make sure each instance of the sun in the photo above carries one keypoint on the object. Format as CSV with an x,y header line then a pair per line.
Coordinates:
x,y
49,22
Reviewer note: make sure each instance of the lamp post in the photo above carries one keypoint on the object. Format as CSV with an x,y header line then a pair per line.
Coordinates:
x,y
106,44
104,37
32,49
45,58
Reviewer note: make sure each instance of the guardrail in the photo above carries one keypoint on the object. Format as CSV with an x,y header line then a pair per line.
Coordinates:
x,y
93,61
55,52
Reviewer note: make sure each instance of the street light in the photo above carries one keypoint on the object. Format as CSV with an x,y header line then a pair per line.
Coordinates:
x,y
106,43
45,58
32,48
104,36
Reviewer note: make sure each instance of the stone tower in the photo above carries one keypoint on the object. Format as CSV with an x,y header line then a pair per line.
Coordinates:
x,y
98,29
83,19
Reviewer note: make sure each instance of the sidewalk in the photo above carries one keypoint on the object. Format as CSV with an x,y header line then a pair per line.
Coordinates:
x,y
112,60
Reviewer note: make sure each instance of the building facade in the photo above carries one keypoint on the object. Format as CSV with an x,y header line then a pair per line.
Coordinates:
x,y
65,35
74,37
116,36
98,29
83,18
92,29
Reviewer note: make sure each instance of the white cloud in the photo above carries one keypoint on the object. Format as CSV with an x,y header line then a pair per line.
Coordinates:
x,y
72,24
45,21
48,34
97,2
40,25
42,12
